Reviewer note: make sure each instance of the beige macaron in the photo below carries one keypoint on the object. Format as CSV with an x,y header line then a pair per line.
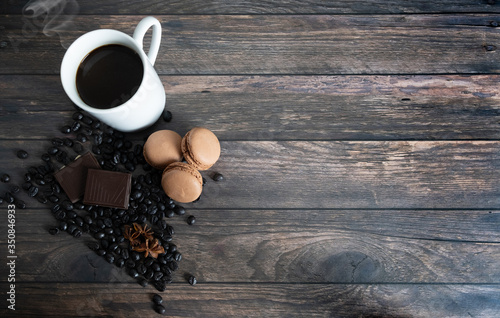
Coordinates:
x,y
182,182
200,148
162,148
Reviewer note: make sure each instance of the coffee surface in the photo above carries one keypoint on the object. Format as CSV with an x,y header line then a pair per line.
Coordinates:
x,y
109,76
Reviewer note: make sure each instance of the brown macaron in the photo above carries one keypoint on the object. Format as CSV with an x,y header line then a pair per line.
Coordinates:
x,y
200,148
182,182
162,148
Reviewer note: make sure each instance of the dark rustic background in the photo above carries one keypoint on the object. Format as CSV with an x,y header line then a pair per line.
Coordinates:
x,y
360,149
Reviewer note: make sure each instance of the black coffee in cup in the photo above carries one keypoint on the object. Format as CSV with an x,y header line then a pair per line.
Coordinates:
x,y
109,76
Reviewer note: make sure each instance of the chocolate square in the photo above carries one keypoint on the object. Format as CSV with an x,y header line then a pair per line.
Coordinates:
x,y
72,177
108,188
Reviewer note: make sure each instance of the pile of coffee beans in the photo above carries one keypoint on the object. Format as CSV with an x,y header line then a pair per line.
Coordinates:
x,y
148,203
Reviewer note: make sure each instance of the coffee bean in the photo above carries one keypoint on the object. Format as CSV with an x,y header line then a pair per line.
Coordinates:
x,y
42,199
173,265
170,230
191,220
22,154
5,178
169,213
160,309
113,247
177,256
87,120
94,246
160,285
71,228
192,280
172,248
81,138
48,178
157,276
489,47
141,269
130,263
68,142
77,147
125,254
33,190
101,252
87,219
76,126
97,139
118,144
46,157
157,299
133,273
179,210
120,262
86,131
8,198
26,186
108,222
155,267
77,116
67,205
58,142
54,231
66,129
55,188
108,231
130,166
110,258
52,151
60,215
63,226
14,189
138,150
143,282
79,221
167,116
96,124
217,177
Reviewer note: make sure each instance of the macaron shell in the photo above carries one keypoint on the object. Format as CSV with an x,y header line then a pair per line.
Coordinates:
x,y
182,182
162,148
201,148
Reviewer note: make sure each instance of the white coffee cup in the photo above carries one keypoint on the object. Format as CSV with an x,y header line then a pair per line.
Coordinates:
x,y
146,105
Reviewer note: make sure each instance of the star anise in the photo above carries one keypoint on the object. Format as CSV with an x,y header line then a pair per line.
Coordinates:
x,y
131,235
154,250
144,231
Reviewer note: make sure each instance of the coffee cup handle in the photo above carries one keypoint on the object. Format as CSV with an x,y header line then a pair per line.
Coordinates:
x,y
141,30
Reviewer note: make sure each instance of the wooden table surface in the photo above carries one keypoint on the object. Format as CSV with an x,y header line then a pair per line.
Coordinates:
x,y
360,150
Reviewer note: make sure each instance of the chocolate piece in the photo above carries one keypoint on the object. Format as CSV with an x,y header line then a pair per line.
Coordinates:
x,y
72,177
108,188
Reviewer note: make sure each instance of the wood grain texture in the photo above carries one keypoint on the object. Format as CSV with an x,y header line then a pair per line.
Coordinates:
x,y
286,107
360,150
268,7
323,174
261,300
287,246
297,44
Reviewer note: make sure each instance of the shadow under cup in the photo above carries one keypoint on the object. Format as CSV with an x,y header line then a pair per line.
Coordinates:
x,y
131,99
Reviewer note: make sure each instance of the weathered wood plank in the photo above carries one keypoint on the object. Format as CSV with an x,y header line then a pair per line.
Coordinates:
x,y
333,174
267,7
286,108
303,44
287,246
259,300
